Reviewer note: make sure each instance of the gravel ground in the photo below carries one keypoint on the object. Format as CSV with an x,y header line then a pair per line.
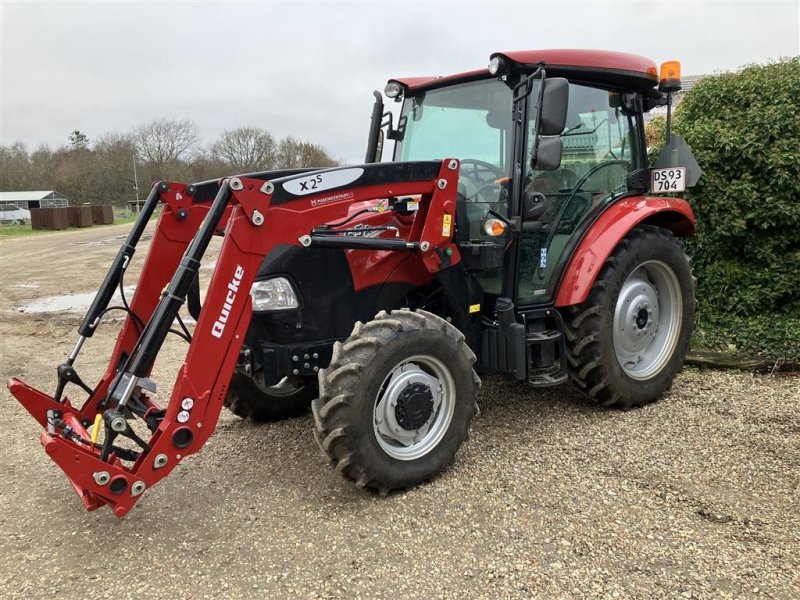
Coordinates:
x,y
693,497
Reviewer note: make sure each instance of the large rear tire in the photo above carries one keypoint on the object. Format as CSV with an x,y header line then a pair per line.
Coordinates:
x,y
248,398
628,340
396,400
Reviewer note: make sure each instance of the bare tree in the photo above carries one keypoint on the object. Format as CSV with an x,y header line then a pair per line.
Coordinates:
x,y
247,149
294,154
164,141
14,167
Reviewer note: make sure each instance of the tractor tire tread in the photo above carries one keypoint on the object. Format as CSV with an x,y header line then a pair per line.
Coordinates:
x,y
338,381
583,331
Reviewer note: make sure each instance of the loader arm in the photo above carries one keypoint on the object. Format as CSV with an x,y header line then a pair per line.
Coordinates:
x,y
254,213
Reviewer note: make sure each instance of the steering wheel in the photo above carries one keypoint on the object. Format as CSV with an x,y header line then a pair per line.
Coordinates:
x,y
486,190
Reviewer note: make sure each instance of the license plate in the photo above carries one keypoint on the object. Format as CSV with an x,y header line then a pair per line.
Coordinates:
x,y
665,181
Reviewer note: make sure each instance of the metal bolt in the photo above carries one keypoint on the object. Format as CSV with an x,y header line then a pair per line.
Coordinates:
x,y
101,477
258,218
295,358
442,183
160,461
267,188
118,424
295,372
316,369
306,356
236,184
305,240
137,488
394,403
452,165
424,246
315,356
306,365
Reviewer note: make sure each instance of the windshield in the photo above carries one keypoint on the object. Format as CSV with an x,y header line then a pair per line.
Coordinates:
x,y
469,121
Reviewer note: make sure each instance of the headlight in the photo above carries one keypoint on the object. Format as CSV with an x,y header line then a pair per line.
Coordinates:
x,y
273,294
498,66
393,89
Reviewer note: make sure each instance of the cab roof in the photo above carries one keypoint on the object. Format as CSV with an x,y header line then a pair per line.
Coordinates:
x,y
601,66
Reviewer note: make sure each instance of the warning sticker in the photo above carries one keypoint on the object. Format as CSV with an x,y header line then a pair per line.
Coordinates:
x,y
473,308
447,225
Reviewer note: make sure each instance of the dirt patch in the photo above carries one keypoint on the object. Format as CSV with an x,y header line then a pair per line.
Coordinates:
x,y
695,496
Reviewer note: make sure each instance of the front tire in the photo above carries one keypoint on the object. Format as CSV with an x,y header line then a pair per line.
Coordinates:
x,y
396,400
628,340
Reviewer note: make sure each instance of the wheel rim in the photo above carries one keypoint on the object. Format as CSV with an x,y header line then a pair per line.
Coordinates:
x,y
414,407
647,319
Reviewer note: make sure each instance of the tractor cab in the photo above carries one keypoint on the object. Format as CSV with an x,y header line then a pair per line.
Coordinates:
x,y
547,185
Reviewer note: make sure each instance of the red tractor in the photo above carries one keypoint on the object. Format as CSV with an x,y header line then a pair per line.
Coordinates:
x,y
514,232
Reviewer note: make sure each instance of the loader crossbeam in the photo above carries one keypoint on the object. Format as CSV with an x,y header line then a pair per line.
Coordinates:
x,y
254,213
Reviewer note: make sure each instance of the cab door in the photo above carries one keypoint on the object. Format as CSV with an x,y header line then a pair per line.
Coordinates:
x,y
601,146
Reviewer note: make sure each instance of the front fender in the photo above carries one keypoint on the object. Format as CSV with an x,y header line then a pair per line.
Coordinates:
x,y
608,230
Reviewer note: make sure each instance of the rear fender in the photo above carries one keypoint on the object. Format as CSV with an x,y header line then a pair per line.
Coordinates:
x,y
608,230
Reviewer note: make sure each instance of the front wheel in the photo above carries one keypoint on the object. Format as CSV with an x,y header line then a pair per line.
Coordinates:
x,y
396,400
627,341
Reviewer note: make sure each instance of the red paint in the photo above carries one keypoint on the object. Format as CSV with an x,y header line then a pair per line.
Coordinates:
x,y
592,59
212,355
604,235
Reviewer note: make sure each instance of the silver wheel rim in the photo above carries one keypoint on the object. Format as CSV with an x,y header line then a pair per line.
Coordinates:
x,y
647,319
410,444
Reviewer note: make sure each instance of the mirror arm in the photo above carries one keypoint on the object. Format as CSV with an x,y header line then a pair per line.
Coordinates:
x,y
668,133
391,132
537,124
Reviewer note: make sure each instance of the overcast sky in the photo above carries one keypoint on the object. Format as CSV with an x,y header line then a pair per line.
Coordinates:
x,y
308,69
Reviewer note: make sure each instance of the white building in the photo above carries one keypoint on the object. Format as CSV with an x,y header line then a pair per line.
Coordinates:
x,y
37,199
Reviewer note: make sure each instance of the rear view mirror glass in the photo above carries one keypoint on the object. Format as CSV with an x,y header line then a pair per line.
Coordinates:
x,y
553,117
548,155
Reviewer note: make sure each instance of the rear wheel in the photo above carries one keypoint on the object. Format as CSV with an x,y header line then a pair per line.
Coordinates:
x,y
627,341
396,400
247,397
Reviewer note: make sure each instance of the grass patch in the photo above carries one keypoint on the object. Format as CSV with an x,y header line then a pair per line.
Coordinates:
x,y
14,231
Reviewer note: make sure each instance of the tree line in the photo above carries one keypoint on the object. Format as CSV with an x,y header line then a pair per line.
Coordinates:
x,y
102,171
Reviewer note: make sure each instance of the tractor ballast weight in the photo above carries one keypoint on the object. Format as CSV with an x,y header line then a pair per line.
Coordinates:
x,y
394,252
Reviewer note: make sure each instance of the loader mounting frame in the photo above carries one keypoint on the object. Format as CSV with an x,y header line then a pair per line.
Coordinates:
x,y
254,213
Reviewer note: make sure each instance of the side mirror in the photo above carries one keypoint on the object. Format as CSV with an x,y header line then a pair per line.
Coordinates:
x,y
548,154
553,110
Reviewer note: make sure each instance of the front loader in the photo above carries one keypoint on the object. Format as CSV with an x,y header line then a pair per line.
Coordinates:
x,y
512,233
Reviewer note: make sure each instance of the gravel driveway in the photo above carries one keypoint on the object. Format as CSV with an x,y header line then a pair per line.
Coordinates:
x,y
693,497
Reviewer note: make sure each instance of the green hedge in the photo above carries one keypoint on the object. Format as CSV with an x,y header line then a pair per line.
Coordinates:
x,y
744,130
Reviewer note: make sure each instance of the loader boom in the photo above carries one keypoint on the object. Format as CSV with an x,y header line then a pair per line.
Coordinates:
x,y
254,214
